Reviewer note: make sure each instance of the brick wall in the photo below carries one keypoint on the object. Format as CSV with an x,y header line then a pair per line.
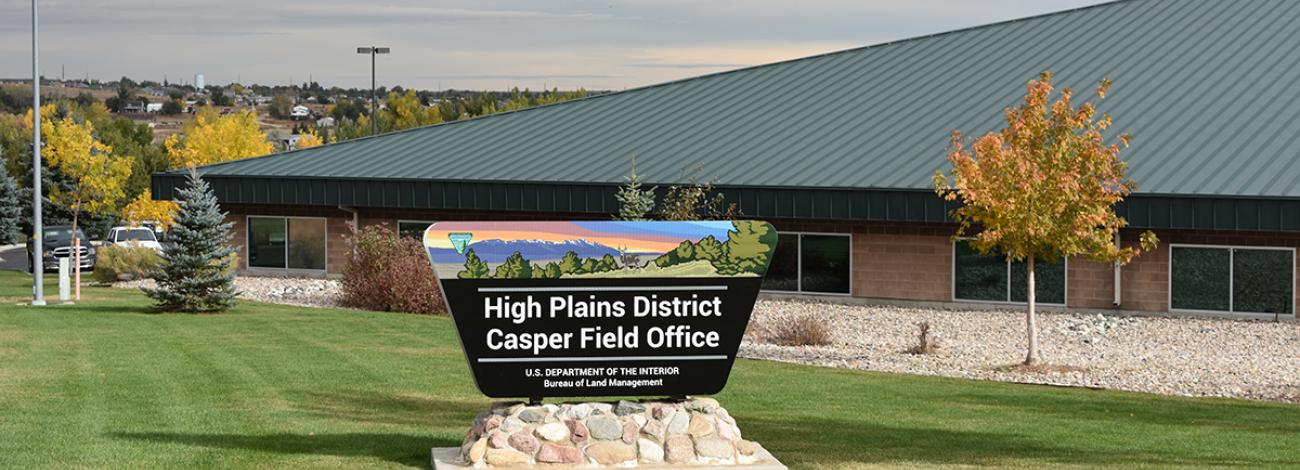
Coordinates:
x,y
890,261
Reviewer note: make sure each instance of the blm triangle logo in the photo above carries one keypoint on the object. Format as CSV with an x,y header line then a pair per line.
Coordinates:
x,y
460,240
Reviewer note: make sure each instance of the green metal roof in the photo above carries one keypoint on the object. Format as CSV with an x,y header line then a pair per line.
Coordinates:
x,y
1207,88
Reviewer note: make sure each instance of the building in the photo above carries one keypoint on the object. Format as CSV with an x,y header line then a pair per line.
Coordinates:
x,y
198,82
837,150
300,112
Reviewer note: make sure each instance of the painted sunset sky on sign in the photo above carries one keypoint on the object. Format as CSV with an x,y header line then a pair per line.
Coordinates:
x,y
637,237
551,250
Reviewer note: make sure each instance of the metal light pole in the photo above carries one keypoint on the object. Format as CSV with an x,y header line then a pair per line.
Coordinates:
x,y
38,233
373,51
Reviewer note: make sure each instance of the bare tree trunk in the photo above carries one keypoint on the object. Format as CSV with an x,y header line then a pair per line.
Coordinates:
x,y
1031,322
76,255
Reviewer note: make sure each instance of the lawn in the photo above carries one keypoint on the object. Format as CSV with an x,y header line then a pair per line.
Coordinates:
x,y
108,384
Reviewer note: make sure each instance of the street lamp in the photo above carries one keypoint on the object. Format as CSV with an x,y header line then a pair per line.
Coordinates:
x,y
373,51
38,235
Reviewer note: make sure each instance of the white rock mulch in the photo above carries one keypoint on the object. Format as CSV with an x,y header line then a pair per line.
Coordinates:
x,y
1173,356
302,292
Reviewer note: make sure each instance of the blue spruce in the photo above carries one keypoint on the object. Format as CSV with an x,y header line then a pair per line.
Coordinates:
x,y
11,210
196,275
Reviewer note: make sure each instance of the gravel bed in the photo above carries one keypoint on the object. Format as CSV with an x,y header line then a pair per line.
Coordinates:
x,y
1167,355
1172,356
303,292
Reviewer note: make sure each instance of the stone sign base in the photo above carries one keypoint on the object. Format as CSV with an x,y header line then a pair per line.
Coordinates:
x,y
696,433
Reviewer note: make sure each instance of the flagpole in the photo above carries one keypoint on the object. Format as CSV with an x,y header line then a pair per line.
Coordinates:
x,y
38,234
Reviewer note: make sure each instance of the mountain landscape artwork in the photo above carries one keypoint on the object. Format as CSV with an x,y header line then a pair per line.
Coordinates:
x,y
604,249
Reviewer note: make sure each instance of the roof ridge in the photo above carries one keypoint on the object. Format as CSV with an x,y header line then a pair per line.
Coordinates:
x,y
693,78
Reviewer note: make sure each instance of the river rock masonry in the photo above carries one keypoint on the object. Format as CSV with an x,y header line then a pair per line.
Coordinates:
x,y
625,434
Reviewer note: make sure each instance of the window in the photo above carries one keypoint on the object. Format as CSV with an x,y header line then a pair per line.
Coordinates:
x,y
993,278
1231,279
810,263
280,242
412,228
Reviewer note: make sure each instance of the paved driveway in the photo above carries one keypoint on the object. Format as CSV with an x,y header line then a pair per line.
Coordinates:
x,y
13,257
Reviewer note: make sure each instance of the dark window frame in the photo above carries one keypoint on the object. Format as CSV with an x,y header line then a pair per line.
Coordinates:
x,y
248,236
413,221
1065,280
799,265
1232,278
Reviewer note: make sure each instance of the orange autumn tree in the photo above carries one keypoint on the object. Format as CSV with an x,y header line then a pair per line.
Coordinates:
x,y
1042,188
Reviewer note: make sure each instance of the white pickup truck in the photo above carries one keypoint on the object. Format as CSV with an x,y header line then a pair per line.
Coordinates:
x,y
133,236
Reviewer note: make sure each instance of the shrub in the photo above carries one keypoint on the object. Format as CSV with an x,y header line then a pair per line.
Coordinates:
x,y
806,330
926,342
389,273
125,263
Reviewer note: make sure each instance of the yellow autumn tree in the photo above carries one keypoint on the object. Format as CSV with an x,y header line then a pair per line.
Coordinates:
x,y
145,208
308,139
1043,188
212,138
96,180
405,111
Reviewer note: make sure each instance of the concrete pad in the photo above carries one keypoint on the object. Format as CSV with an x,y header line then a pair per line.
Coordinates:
x,y
448,458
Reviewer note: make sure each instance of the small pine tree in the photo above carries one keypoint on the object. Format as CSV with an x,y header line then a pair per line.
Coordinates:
x,y
634,203
196,274
11,210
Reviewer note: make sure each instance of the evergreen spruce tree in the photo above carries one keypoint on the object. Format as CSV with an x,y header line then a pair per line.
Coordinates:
x,y
196,275
634,203
11,209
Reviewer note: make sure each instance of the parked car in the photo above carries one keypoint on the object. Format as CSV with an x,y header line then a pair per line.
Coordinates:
x,y
133,236
57,243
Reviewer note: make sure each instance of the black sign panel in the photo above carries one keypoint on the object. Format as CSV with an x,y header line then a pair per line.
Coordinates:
x,y
542,313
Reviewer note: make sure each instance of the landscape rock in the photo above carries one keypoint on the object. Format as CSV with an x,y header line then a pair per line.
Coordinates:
x,y
606,429
1171,355
506,457
553,453
553,432
702,405
625,408
512,424
477,450
524,441
649,451
533,415
745,447
679,449
654,430
498,440
699,426
714,447
610,453
578,432
679,422
630,430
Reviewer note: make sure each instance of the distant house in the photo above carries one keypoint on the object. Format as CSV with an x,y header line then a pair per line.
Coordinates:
x,y
133,108
289,142
153,107
300,112
325,122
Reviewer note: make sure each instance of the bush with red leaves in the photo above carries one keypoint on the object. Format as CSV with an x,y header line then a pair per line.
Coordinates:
x,y
387,273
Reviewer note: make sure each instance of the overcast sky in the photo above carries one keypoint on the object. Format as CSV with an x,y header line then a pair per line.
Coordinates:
x,y
474,44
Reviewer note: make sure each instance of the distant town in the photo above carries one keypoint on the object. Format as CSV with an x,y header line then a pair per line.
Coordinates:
x,y
284,112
